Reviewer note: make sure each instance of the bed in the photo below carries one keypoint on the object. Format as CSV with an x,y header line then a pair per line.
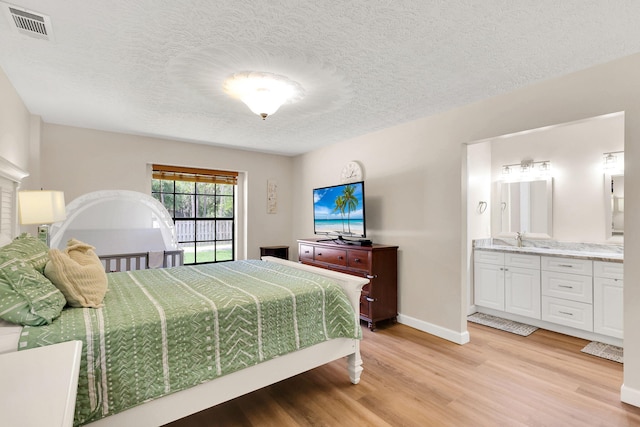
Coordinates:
x,y
122,384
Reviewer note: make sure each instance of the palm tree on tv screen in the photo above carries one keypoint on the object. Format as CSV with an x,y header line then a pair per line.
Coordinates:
x,y
339,207
350,201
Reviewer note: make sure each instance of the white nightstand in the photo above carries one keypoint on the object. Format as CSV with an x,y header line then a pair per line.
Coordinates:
x,y
38,386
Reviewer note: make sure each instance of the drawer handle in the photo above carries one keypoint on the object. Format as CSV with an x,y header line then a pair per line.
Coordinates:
x,y
504,269
370,299
306,252
565,265
340,257
565,286
356,260
370,276
319,253
566,312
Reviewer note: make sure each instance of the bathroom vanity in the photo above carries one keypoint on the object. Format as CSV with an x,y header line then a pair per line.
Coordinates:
x,y
575,289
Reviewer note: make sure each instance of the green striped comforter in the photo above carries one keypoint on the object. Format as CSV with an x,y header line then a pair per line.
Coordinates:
x,y
165,330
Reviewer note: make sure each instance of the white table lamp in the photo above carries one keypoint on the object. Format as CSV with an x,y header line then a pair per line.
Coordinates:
x,y
41,207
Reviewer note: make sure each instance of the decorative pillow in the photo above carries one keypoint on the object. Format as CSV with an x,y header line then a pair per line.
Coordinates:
x,y
27,248
78,273
26,296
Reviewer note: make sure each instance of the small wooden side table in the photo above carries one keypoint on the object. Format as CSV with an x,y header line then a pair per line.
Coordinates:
x,y
276,251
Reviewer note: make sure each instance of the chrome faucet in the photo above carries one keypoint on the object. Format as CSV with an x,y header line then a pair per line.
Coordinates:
x,y
519,236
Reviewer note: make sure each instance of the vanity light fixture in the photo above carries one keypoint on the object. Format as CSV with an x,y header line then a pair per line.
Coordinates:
x,y
527,170
525,166
613,162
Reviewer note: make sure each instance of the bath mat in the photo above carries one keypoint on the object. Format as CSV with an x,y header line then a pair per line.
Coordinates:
x,y
502,324
606,351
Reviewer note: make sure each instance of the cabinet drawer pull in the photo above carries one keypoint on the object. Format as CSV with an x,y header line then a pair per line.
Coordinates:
x,y
370,299
319,253
340,257
356,260
370,276
565,286
565,265
565,312
306,252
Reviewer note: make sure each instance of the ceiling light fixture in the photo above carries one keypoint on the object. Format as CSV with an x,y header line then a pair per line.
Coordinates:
x,y
263,92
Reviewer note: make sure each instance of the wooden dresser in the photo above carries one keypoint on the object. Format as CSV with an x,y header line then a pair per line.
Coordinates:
x,y
378,263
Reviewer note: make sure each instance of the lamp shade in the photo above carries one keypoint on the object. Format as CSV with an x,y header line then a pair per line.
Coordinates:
x,y
41,207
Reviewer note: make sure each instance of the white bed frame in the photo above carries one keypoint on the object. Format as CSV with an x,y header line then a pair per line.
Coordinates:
x,y
183,403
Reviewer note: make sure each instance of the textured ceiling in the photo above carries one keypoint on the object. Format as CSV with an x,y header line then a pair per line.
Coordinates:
x,y
150,67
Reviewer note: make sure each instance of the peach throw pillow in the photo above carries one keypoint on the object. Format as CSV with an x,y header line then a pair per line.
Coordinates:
x,y
78,273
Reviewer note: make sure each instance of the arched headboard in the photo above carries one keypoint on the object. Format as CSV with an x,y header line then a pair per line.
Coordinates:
x,y
117,222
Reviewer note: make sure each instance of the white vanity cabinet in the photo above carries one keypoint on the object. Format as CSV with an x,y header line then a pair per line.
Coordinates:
x,y
508,282
567,292
579,296
608,298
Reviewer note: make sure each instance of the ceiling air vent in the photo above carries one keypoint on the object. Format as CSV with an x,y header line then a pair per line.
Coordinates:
x,y
28,22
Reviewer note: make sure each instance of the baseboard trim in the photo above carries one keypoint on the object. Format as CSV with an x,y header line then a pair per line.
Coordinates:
x,y
430,328
630,395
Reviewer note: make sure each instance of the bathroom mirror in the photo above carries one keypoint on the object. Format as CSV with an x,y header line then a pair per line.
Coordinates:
x,y
525,206
614,204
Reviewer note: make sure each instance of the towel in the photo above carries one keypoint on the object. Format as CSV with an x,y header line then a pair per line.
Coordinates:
x,y
155,259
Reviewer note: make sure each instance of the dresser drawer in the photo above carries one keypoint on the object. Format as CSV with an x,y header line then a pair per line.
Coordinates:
x,y
306,253
489,257
611,270
567,286
331,256
567,265
569,313
521,260
358,259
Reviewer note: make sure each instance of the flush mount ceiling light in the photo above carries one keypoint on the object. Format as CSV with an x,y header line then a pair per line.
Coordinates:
x,y
263,92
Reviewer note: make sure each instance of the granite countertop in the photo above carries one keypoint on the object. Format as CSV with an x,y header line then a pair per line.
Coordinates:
x,y
590,251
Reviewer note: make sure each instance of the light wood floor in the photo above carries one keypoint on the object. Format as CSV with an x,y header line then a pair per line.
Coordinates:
x,y
412,378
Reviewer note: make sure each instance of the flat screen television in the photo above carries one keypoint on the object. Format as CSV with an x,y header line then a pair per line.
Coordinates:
x,y
339,210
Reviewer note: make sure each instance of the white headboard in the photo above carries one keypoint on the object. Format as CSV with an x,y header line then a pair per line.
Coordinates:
x,y
10,178
117,222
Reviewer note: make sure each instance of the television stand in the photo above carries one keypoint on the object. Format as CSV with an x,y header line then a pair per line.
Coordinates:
x,y
378,263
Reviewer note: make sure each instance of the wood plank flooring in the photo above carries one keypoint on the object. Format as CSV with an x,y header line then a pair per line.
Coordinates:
x,y
412,378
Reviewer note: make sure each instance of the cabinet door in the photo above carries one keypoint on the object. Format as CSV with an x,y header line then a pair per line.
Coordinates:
x,y
608,306
522,291
489,286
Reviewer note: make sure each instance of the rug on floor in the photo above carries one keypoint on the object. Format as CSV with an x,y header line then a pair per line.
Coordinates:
x,y
502,324
606,351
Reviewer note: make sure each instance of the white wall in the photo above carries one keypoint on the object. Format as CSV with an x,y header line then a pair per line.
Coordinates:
x,y
576,154
417,185
79,161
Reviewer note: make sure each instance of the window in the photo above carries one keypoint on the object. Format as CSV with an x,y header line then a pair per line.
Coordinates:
x,y
202,205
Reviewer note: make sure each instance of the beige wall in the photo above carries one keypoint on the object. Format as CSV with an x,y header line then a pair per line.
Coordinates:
x,y
15,122
416,190
79,161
